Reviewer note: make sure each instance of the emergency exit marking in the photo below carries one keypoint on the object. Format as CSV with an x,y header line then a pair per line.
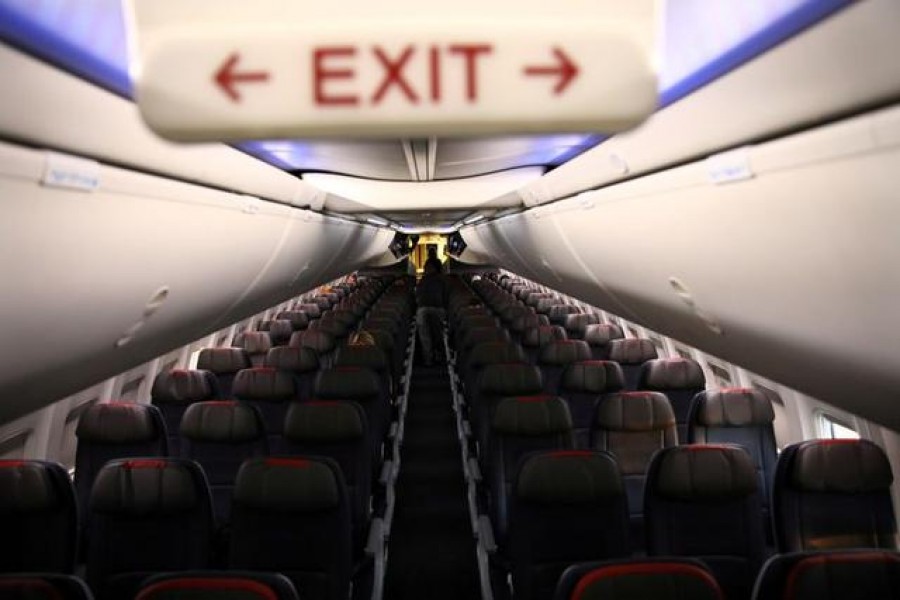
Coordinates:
x,y
332,65
433,79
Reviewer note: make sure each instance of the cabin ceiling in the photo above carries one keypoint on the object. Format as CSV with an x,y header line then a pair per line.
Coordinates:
x,y
699,42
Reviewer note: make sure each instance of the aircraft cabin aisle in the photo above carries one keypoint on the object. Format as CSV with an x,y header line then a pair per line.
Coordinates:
x,y
656,356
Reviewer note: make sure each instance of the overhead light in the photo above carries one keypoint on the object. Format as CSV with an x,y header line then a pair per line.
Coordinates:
x,y
474,219
376,221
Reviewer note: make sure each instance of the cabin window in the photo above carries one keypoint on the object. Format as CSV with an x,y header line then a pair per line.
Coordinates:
x,y
224,340
131,390
13,447
631,332
658,343
683,352
721,374
831,427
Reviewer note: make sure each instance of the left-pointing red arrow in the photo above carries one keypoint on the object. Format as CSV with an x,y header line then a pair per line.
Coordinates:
x,y
227,77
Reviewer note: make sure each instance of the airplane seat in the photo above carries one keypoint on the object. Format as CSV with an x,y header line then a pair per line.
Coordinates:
x,y
270,391
558,313
221,585
830,494
114,430
471,337
567,507
324,302
256,343
657,578
741,416
830,575
298,319
291,515
633,426
534,338
148,515
581,385
600,336
43,586
543,305
338,430
484,354
369,357
470,323
361,385
338,330
493,382
176,389
219,435
344,316
680,379
323,343
38,517
224,363
310,309
532,298
300,362
521,323
555,356
513,311
703,501
279,330
576,324
520,425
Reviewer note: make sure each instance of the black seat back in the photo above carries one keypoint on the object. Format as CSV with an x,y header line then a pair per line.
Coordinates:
x,y
224,363
599,336
223,585
43,586
270,391
256,343
831,494
680,379
38,517
640,578
174,390
300,362
555,356
631,354
581,386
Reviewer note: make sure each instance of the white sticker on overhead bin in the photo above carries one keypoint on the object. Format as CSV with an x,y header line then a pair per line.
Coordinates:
x,y
729,166
70,172
390,76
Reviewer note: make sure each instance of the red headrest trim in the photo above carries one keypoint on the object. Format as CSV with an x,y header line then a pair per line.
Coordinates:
x,y
803,565
145,464
736,390
7,463
297,463
264,592
647,568
221,402
20,583
565,453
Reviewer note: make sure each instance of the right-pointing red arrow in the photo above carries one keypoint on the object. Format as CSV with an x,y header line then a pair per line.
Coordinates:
x,y
564,68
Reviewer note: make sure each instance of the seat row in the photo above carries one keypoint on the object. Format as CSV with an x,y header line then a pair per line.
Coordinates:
x,y
701,500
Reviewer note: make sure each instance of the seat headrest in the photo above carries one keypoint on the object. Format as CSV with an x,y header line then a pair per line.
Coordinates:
x,y
532,298
146,486
27,487
569,477
527,321
558,313
223,360
263,383
224,585
630,351
543,305
672,374
480,335
488,353
513,311
119,423
510,379
278,329
843,466
635,411
298,319
576,324
704,471
296,359
564,352
347,383
331,327
222,421
254,342
601,334
535,337
371,357
844,575
666,579
324,421
183,386
310,309
320,341
733,407
532,416
592,377
286,484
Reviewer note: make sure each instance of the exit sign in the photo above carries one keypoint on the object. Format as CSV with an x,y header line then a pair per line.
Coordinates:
x,y
393,77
